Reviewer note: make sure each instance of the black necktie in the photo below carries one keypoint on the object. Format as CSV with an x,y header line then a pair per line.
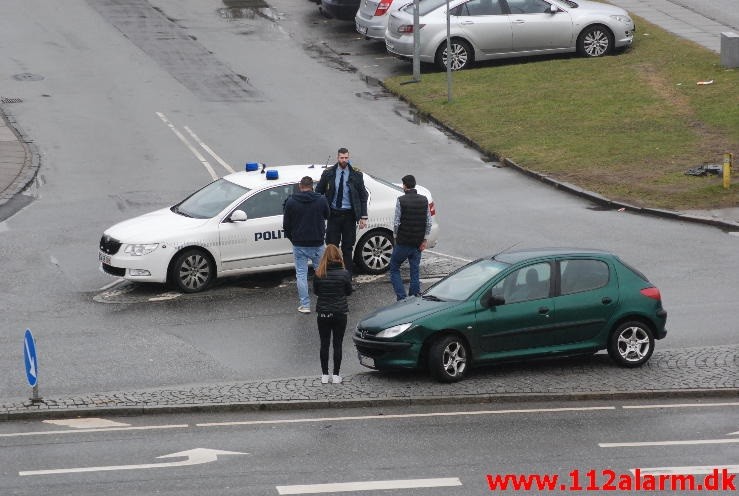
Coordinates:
x,y
340,192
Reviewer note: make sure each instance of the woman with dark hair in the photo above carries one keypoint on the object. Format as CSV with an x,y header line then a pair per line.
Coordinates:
x,y
331,284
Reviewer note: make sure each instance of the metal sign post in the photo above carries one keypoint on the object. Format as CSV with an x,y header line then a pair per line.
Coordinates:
x,y
31,361
416,43
448,56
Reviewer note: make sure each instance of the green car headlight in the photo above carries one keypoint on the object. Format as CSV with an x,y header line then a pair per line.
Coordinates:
x,y
393,331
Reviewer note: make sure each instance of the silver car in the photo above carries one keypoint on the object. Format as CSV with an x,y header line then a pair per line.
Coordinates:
x,y
494,29
372,16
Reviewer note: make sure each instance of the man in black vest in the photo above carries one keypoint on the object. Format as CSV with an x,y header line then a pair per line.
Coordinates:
x,y
344,188
412,228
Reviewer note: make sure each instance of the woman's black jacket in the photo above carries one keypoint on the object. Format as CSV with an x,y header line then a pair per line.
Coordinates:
x,y
332,290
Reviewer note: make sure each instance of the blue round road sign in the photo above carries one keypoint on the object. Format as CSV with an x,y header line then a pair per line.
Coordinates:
x,y
29,356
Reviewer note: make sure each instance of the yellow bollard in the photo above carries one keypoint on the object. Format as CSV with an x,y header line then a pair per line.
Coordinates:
x,y
728,159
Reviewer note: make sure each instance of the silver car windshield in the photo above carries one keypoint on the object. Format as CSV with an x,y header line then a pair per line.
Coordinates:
x,y
210,200
463,283
425,6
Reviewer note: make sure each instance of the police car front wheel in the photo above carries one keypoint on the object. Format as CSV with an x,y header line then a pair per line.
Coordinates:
x,y
192,271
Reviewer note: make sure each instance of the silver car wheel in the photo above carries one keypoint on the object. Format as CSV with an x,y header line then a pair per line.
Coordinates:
x,y
374,252
192,271
595,42
633,344
462,55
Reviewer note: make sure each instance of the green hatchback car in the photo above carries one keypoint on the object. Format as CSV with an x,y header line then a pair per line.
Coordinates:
x,y
514,305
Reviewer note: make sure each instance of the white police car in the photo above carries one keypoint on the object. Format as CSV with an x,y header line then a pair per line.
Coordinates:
x,y
234,226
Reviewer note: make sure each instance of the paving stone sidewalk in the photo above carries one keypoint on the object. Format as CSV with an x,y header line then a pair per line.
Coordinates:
x,y
692,372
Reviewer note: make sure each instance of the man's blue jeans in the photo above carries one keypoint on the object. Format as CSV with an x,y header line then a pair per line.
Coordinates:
x,y
302,255
401,253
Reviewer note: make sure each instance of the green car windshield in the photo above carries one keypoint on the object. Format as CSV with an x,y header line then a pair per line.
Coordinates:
x,y
463,283
210,200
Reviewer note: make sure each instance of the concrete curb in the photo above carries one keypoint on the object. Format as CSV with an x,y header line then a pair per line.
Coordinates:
x,y
31,164
602,200
293,405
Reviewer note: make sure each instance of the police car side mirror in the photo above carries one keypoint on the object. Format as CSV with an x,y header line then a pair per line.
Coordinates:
x,y
237,216
553,9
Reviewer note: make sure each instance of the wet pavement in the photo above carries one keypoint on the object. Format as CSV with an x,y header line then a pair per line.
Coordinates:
x,y
691,372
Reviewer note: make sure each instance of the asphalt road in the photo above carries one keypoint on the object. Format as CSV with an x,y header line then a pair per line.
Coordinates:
x,y
252,87
432,450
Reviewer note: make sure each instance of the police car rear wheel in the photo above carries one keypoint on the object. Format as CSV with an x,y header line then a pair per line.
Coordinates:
x,y
372,253
192,271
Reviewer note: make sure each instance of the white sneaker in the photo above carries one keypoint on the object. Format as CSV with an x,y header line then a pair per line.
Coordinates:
x,y
324,379
336,379
303,309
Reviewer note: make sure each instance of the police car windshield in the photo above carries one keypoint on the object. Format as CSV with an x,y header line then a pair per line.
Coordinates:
x,y
210,200
387,183
462,284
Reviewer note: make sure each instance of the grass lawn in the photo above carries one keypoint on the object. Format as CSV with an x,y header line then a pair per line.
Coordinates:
x,y
626,126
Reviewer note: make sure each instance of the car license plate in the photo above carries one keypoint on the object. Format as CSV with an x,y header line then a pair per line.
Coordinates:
x,y
361,29
104,258
367,361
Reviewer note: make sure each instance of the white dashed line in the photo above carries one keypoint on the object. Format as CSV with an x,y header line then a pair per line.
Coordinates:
x,y
210,151
190,147
339,487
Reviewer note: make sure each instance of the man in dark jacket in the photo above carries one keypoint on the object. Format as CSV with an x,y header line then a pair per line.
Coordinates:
x,y
304,224
412,227
344,188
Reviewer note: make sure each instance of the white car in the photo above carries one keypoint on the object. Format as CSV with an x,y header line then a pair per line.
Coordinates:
x,y
234,226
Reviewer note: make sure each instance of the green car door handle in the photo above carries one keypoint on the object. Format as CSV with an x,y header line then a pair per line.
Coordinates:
x,y
544,310
606,300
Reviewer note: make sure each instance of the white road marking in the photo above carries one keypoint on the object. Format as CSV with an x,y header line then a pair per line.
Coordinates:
x,y
696,470
190,147
209,150
670,443
196,456
339,487
166,296
107,429
86,423
448,256
682,405
403,416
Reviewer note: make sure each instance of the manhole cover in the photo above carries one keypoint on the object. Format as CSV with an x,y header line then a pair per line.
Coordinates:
x,y
27,76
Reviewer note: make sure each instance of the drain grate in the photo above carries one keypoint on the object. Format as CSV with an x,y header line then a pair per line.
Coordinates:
x,y
27,76
10,100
